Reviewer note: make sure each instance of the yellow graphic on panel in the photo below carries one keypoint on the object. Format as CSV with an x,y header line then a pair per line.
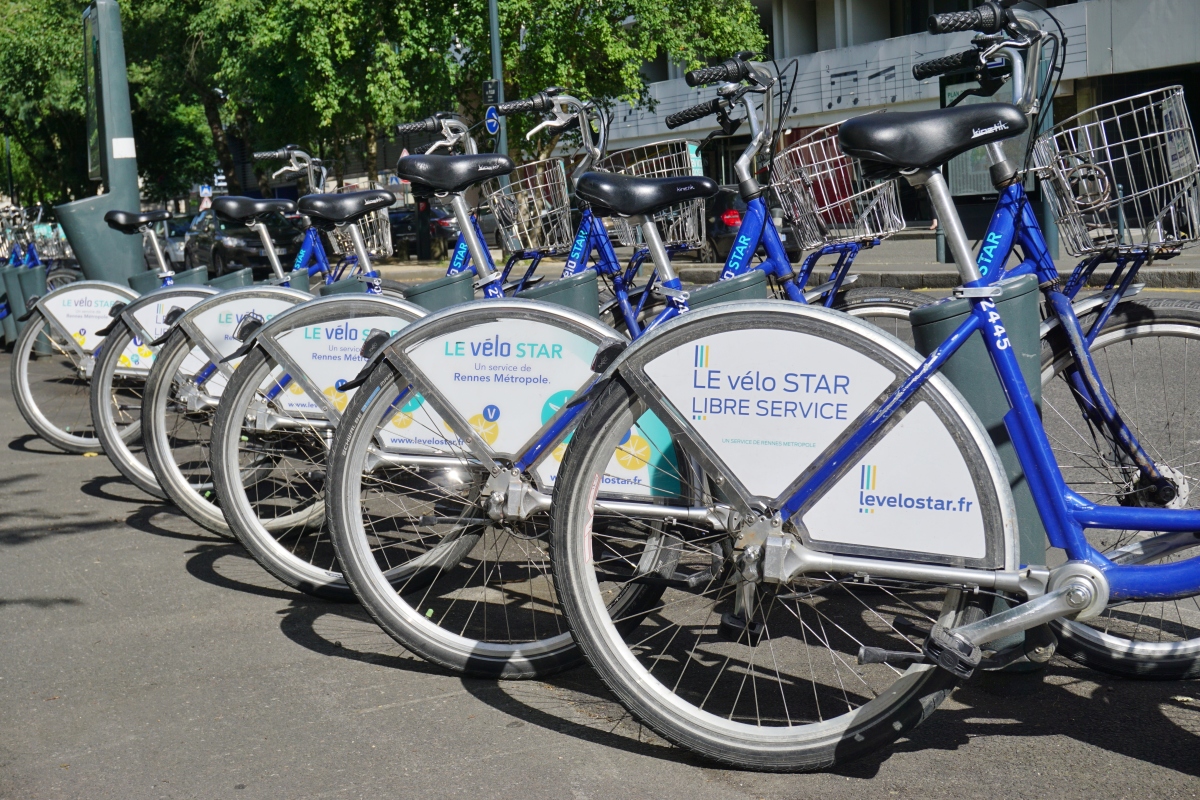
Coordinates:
x,y
557,453
488,431
337,397
295,388
402,420
634,454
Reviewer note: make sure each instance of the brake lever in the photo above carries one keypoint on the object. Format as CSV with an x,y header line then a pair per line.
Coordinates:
x,y
728,126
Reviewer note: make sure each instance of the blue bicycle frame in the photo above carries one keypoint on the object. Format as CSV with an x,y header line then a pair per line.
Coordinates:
x,y
312,258
591,249
1064,513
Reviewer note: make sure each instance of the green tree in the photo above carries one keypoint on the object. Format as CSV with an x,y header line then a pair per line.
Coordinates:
x,y
595,50
41,98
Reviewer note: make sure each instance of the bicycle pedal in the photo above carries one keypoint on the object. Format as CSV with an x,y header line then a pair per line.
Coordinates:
x,y
877,655
737,629
952,652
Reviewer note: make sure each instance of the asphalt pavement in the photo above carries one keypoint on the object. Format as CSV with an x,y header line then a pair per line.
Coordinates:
x,y
142,657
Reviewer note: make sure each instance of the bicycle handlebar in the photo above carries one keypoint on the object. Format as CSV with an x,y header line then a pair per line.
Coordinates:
x,y
969,59
988,17
694,113
427,125
540,102
733,70
271,155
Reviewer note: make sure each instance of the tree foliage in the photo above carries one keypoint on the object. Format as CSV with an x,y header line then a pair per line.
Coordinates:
x,y
330,75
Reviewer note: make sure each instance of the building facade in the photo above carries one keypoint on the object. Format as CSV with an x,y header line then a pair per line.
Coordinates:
x,y
855,56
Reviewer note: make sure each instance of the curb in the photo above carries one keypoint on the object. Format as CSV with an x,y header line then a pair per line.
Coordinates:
x,y
703,274
1153,278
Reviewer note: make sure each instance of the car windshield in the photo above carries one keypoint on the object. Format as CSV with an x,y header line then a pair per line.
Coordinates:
x,y
177,227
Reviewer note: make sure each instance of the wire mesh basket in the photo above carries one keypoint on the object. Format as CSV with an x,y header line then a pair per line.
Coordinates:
x,y
533,212
376,228
827,199
1123,176
679,225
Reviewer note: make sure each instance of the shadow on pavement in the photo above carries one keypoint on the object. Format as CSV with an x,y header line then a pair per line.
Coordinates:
x,y
1144,720
25,444
345,630
98,487
162,519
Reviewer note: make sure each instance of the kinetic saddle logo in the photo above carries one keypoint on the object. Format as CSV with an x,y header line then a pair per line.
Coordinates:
x,y
869,500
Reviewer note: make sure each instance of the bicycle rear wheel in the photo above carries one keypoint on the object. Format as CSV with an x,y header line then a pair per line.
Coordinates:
x,y
177,415
416,543
50,387
1148,356
787,697
116,403
271,482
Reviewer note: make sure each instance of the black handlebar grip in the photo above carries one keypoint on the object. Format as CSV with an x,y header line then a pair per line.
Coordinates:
x,y
516,107
427,125
987,18
694,113
539,103
732,71
956,62
268,155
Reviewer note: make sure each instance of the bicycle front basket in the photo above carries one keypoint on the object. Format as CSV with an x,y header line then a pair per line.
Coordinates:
x,y
1122,176
376,228
679,225
827,199
533,212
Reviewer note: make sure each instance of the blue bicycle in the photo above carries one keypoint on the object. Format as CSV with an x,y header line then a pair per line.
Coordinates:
x,y
852,550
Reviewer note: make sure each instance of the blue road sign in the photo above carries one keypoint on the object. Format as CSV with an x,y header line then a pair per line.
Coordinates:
x,y
491,121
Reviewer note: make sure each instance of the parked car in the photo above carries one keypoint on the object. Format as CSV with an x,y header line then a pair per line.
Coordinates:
x,y
723,214
172,236
225,247
443,229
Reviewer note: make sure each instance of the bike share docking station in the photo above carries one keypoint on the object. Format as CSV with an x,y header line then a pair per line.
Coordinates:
x,y
971,372
105,254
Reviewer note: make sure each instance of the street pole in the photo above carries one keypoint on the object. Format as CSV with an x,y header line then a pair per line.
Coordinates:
x,y
8,161
498,74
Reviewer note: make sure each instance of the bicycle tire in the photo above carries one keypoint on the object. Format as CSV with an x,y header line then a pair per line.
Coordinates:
x,y
258,535
120,438
1164,642
382,591
895,710
193,493
71,431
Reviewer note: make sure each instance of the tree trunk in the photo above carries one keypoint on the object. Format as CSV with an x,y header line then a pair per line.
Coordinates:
x,y
260,175
371,154
212,113
339,160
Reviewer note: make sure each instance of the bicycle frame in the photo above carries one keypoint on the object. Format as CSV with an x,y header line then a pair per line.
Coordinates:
x,y
1013,223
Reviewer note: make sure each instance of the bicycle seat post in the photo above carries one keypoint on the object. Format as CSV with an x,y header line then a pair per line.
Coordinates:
x,y
947,215
360,249
658,253
164,269
466,226
264,236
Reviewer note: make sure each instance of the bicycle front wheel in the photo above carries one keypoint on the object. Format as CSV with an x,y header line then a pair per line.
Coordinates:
x,y
1148,356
